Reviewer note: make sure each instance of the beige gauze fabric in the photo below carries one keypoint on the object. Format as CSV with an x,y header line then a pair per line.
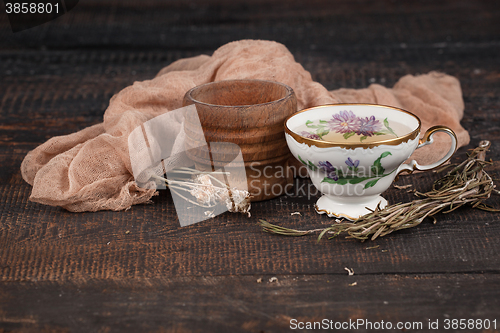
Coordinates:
x,y
90,170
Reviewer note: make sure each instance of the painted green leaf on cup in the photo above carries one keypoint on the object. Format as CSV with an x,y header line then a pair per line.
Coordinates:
x,y
348,135
386,124
372,183
357,180
322,132
308,164
377,167
351,176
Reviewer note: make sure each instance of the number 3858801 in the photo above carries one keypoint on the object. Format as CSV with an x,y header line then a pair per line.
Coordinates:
x,y
31,8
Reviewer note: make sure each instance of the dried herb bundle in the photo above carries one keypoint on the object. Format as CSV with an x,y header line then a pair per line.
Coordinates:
x,y
466,183
205,193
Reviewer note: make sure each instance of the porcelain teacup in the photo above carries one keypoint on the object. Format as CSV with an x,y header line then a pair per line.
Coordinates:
x,y
354,152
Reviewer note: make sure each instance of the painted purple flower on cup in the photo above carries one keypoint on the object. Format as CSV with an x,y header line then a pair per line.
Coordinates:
x,y
368,126
343,122
348,124
329,169
352,164
310,135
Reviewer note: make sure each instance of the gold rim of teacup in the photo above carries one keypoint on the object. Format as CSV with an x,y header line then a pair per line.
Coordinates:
x,y
288,89
325,144
331,214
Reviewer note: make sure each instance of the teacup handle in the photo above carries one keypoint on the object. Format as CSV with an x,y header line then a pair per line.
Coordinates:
x,y
427,140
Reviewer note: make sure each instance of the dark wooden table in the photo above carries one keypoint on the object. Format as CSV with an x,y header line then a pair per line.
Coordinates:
x,y
138,270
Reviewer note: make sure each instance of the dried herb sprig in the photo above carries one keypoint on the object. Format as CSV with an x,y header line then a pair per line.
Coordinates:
x,y
207,191
466,183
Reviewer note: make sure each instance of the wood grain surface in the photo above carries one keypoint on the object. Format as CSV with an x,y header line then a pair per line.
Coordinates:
x,y
138,270
241,304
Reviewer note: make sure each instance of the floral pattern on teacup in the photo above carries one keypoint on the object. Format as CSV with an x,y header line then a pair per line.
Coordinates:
x,y
353,174
348,124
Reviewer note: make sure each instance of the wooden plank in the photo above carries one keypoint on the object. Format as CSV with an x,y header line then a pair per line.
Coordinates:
x,y
46,243
46,99
241,304
315,25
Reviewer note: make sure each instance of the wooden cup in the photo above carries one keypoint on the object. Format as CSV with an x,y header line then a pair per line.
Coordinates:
x,y
249,114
